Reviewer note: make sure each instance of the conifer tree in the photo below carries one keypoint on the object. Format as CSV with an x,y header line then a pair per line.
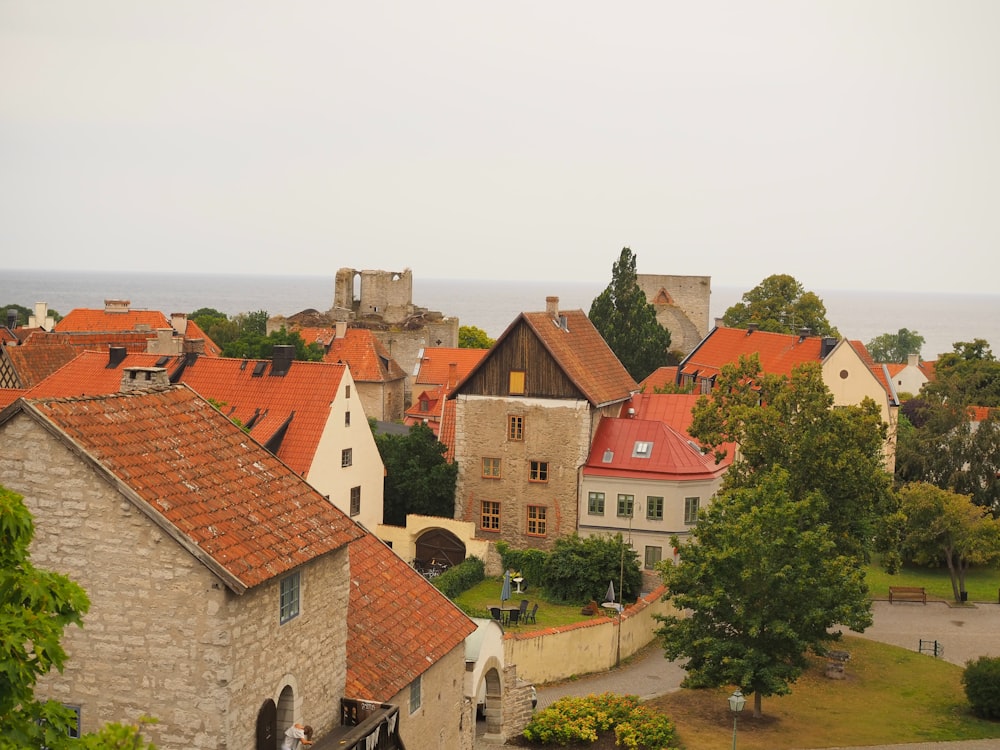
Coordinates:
x,y
627,321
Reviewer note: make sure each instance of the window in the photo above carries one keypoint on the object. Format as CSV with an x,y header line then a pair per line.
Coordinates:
x,y
415,695
73,730
625,505
346,457
515,428
536,520
653,556
425,405
517,382
347,419
642,449
538,471
490,517
654,508
595,503
289,607
706,385
691,510
355,500
491,468
347,391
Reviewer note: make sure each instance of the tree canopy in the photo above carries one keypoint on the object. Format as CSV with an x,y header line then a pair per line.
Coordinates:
x,y
580,568
780,304
471,337
418,477
626,320
895,347
258,346
761,584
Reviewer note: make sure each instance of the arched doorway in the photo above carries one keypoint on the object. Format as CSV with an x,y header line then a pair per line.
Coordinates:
x,y
440,545
267,726
285,709
491,701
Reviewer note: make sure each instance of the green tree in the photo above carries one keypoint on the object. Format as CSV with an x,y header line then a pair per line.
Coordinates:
x,y
580,568
780,304
418,477
627,321
35,607
895,347
946,527
762,584
969,373
23,313
257,346
789,422
471,337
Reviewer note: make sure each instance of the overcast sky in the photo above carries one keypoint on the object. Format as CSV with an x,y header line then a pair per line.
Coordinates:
x,y
853,145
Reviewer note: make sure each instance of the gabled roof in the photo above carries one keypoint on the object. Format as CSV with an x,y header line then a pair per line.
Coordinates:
x,y
659,378
292,408
779,353
446,432
880,371
665,453
224,498
368,359
82,320
436,364
399,625
35,363
9,395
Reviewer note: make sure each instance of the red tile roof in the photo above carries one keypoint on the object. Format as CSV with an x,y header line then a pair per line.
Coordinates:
x,y
582,354
301,398
35,363
399,625
446,432
368,359
233,504
9,395
436,364
101,321
659,378
779,353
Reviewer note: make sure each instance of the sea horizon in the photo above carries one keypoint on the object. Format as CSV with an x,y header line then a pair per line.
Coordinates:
x,y
941,318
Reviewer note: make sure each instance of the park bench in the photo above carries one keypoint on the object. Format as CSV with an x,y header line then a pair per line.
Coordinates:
x,y
907,594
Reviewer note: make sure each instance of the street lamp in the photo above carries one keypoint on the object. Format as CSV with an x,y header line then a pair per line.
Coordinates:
x,y
736,703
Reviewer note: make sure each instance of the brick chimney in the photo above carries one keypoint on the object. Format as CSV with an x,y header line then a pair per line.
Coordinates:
x,y
452,375
552,308
143,378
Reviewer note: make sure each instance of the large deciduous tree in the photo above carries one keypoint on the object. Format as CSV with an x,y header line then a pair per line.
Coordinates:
x,y
895,347
35,607
418,477
472,337
626,320
762,584
945,527
780,304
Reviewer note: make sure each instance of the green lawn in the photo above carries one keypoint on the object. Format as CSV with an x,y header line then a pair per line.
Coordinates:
x,y
476,602
982,584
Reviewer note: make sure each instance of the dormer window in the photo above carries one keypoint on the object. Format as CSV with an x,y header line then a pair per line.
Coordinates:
x,y
425,405
642,449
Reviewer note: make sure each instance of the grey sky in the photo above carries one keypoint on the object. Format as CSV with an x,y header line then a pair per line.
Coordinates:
x,y
851,144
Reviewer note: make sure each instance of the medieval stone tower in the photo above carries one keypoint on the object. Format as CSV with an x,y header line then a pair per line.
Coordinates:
x,y
682,306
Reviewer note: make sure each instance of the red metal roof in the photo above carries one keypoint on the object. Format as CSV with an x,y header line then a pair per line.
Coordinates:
x,y
197,473
399,625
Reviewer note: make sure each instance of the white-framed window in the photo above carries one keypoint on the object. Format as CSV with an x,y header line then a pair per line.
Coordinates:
x,y
653,556
415,695
595,503
691,510
642,449
289,604
346,457
654,508
625,505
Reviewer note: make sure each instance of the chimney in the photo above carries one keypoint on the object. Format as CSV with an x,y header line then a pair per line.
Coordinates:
x,y
913,360
719,323
751,327
163,343
117,305
41,318
193,346
452,375
827,346
11,318
803,334
143,378
179,321
552,308
116,355
341,330
281,359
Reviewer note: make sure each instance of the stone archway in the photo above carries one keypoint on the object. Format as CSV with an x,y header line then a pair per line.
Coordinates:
x,y
440,545
493,703
267,726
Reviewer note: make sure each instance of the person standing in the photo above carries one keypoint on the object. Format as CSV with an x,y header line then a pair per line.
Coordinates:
x,y
297,736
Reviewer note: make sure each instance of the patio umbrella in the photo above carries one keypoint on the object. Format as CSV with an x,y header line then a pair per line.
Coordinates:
x,y
505,591
610,596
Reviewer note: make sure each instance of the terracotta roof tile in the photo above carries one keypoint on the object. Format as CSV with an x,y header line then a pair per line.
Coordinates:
x,y
81,320
197,472
303,394
35,363
368,359
399,625
583,355
436,364
659,378
9,395
779,353
446,432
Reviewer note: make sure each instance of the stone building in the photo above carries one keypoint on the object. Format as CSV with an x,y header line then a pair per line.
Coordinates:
x,y
682,306
525,417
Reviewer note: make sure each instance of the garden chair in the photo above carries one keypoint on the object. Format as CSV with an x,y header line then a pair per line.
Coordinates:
x,y
530,617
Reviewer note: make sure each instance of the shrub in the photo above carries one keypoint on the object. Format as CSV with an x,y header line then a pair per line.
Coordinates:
x,y
530,562
580,569
582,719
461,577
981,679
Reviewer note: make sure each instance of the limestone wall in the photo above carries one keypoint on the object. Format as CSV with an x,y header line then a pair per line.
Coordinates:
x,y
445,718
682,304
558,653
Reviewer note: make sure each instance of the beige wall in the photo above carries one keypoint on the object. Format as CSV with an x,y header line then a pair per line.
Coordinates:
x,y
403,540
445,719
585,647
383,401
164,636
556,431
367,471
